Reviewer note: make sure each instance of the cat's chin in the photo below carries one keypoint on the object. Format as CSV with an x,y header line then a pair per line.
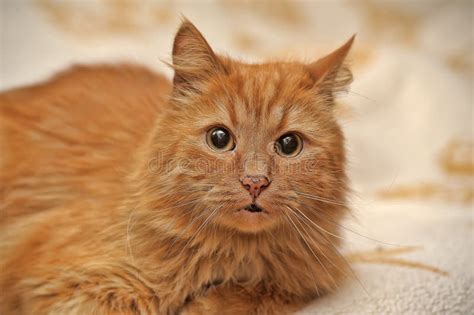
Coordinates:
x,y
250,219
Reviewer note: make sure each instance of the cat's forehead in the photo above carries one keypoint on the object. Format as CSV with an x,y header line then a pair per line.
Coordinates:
x,y
259,102
266,95
264,81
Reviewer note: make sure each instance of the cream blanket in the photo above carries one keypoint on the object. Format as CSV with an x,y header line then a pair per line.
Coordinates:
x,y
408,117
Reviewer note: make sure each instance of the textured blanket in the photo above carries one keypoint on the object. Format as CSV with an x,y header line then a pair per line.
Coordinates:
x,y
408,117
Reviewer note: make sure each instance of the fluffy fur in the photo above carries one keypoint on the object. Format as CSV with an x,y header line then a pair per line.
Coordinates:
x,y
112,202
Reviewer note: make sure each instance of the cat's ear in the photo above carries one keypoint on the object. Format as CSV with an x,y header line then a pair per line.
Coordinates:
x,y
193,58
329,73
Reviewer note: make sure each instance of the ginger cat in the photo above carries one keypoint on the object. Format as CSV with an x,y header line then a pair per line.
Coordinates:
x,y
218,193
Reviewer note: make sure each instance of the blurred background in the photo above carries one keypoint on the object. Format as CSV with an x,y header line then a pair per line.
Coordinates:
x,y
408,117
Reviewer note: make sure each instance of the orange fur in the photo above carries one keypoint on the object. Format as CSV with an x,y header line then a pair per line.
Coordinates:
x,y
112,203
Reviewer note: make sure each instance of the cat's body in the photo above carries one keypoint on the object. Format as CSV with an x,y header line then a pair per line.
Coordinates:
x,y
105,210
66,152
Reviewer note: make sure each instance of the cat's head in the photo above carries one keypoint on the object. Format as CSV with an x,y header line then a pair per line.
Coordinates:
x,y
249,147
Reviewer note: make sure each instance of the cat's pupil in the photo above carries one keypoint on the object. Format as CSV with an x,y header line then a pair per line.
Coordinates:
x,y
220,138
288,144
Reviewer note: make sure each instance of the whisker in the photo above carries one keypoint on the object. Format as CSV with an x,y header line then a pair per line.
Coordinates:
x,y
318,213
312,251
129,246
128,237
352,231
172,194
179,205
363,96
317,226
309,268
201,227
317,246
336,251
314,197
189,225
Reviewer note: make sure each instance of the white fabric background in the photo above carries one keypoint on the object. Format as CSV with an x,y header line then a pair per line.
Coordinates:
x,y
410,109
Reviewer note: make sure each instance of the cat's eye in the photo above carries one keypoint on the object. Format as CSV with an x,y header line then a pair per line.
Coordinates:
x,y
289,145
219,139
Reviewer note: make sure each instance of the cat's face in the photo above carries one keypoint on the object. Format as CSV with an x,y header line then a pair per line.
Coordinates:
x,y
252,145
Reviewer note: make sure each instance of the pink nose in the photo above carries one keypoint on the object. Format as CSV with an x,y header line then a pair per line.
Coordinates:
x,y
255,184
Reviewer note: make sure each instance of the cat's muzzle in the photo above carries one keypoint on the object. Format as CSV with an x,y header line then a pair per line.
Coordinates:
x,y
253,208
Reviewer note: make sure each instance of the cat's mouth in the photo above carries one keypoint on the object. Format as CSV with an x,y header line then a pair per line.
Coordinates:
x,y
253,208
251,218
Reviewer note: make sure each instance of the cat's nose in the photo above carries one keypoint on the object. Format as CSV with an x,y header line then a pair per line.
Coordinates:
x,y
255,184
